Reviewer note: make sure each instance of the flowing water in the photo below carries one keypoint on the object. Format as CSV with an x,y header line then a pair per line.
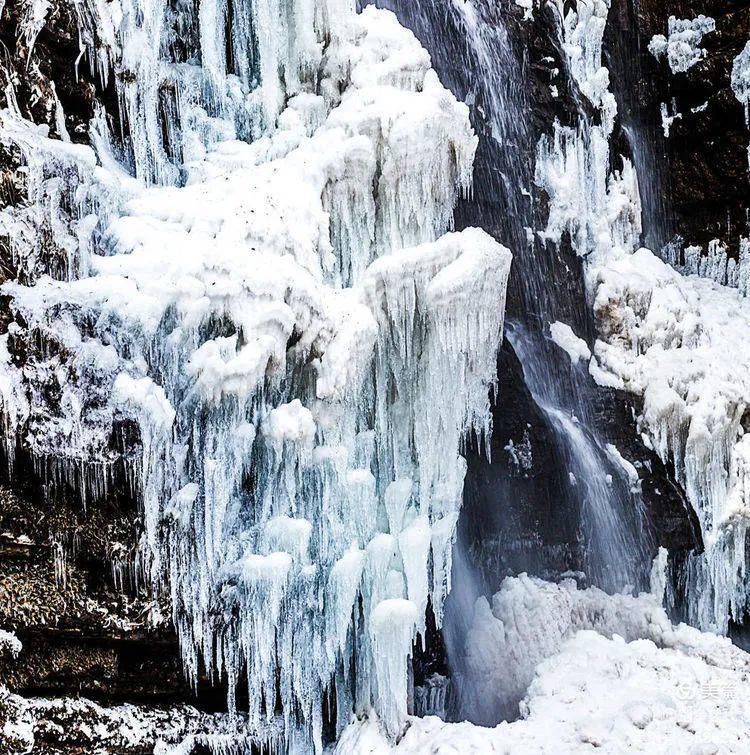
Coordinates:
x,y
482,57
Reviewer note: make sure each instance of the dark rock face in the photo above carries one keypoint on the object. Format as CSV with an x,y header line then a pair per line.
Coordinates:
x,y
701,170
67,592
516,518
48,68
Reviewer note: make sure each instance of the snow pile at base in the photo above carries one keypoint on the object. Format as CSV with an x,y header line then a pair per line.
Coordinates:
x,y
256,328
682,43
528,620
680,342
576,348
604,672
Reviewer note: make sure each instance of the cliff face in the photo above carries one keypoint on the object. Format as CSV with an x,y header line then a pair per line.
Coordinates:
x,y
68,586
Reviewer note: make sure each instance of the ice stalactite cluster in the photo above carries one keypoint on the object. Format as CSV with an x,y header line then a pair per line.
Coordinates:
x,y
741,79
677,341
681,46
263,291
741,83
600,209
715,263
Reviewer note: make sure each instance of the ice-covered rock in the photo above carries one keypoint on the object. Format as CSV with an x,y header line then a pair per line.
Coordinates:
x,y
677,341
741,79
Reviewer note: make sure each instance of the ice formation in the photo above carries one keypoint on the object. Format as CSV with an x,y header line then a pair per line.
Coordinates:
x,y
600,209
674,340
253,276
576,348
84,725
715,262
604,672
678,341
741,79
682,43
528,621
528,9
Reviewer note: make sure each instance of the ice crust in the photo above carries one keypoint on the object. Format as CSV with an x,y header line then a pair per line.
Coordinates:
x,y
256,279
576,348
93,728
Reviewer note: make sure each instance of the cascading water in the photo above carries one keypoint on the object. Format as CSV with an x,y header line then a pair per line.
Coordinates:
x,y
493,76
608,498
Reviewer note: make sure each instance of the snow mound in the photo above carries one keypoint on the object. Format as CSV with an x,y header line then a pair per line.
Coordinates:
x,y
601,671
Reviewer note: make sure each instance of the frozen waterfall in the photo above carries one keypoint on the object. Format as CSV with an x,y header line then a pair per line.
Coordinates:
x,y
249,271
260,297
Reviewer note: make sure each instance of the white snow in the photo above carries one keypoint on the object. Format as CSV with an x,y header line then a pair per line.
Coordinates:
x,y
9,644
576,348
592,671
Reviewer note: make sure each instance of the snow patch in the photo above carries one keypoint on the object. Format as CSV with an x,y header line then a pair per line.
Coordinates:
x,y
576,348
